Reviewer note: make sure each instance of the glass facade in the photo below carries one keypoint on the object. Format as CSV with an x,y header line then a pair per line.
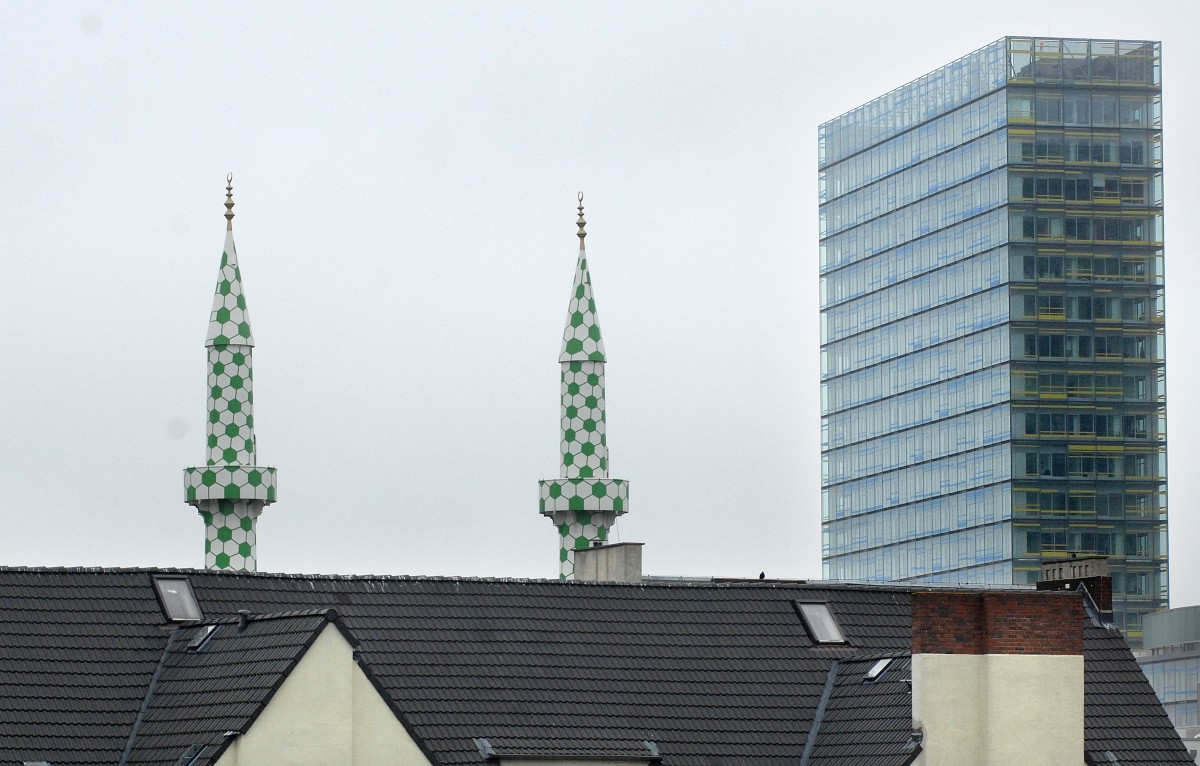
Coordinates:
x,y
1171,661
1175,676
991,266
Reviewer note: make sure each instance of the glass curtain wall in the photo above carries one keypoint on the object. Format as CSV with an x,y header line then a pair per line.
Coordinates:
x,y
992,323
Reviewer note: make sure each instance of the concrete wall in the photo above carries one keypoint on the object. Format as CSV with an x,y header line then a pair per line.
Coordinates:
x,y
946,694
618,562
325,713
999,709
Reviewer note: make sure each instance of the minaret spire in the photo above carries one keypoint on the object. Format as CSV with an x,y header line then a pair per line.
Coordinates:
x,y
229,202
583,502
582,222
230,491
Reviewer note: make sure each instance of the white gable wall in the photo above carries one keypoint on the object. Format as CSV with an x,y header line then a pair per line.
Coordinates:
x,y
326,713
999,709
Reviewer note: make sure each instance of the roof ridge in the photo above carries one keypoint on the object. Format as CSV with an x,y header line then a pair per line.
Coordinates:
x,y
867,656
716,582
329,613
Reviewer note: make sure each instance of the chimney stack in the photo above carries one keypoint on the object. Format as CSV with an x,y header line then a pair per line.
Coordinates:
x,y
1087,572
995,671
619,562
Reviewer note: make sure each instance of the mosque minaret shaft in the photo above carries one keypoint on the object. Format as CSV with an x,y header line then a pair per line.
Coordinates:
x,y
230,491
583,502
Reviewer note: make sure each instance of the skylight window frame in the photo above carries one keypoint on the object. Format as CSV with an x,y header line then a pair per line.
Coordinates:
x,y
191,756
200,642
823,629
178,605
878,669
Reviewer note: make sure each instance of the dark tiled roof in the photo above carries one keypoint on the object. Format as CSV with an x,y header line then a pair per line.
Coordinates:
x,y
702,670
76,651
860,724
219,685
1121,711
710,673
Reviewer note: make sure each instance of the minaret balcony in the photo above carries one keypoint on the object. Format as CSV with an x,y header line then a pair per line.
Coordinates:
x,y
610,495
229,482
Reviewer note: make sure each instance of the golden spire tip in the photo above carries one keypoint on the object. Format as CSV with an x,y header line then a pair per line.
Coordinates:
x,y
229,202
581,222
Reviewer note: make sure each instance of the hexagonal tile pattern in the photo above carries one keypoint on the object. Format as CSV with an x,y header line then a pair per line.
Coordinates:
x,y
230,491
230,535
584,449
583,510
583,502
230,405
579,529
229,323
581,339
593,495
229,482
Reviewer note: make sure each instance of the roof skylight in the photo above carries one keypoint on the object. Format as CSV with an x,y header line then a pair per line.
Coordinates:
x,y
201,638
877,669
178,601
819,621
191,756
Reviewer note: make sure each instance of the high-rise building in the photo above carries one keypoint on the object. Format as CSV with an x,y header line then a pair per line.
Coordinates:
x,y
992,322
1170,658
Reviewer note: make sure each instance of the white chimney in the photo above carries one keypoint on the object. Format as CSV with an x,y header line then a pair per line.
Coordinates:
x,y
619,562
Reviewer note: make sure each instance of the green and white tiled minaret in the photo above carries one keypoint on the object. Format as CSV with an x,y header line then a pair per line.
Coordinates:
x,y
230,491
583,502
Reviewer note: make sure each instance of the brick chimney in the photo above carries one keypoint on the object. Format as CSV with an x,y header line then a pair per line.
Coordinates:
x,y
1087,572
998,677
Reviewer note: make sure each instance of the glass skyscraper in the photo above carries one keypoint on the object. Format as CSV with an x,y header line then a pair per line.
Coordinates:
x,y
992,322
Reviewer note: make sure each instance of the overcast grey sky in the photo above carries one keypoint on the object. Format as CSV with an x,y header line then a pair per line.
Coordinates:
x,y
405,177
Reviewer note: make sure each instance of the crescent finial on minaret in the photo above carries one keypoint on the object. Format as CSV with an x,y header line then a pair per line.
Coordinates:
x,y
229,202
581,222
